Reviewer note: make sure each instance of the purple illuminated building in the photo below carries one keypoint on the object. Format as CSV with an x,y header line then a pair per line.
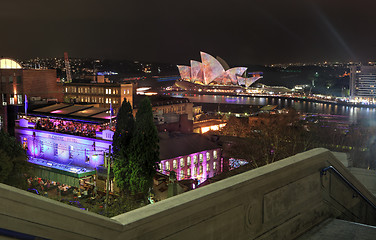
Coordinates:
x,y
55,140
70,139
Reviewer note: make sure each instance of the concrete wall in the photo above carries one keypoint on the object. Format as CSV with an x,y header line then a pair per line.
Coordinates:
x,y
278,201
366,177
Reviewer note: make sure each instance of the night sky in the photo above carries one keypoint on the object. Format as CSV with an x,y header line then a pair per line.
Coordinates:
x,y
239,31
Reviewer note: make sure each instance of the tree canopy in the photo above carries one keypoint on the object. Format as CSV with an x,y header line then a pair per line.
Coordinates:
x,y
13,161
136,148
144,155
121,144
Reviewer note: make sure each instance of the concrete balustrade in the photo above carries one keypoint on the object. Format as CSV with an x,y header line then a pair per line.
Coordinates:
x,y
282,200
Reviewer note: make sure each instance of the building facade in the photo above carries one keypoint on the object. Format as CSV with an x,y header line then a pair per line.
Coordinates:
x,y
190,156
102,94
363,83
16,83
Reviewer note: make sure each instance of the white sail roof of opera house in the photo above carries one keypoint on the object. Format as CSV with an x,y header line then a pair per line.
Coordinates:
x,y
215,71
7,63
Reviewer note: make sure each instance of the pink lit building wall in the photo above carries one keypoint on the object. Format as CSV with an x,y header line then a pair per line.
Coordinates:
x,y
200,165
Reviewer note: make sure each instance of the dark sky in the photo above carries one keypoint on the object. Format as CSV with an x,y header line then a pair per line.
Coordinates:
x,y
239,31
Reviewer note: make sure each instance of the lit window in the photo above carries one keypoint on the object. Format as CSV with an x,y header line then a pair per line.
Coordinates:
x,y
106,100
66,89
106,90
19,99
194,171
207,156
207,167
181,162
41,147
214,165
201,157
200,169
175,164
70,151
127,91
160,166
188,160
195,159
167,166
56,149
189,172
11,100
181,174
215,154
109,91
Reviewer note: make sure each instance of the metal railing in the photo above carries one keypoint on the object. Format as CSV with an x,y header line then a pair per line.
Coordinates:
x,y
326,169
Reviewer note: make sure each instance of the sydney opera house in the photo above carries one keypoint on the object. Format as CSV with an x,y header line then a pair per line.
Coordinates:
x,y
213,71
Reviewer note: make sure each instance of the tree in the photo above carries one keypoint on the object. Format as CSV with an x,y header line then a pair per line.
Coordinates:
x,y
13,161
144,155
121,144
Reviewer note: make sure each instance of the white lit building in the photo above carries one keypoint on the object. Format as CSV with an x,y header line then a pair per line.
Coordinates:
x,y
363,83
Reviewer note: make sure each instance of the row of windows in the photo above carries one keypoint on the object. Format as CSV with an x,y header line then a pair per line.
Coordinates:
x,y
98,100
13,99
94,90
188,162
10,79
196,171
172,109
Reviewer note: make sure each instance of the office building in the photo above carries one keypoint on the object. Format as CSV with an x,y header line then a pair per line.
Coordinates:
x,y
363,83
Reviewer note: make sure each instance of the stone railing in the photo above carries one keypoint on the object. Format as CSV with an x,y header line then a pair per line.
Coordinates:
x,y
278,201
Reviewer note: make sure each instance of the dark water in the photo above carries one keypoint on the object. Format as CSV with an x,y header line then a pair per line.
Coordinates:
x,y
352,115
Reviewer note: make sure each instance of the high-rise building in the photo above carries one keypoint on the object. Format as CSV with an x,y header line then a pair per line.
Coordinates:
x,y
363,82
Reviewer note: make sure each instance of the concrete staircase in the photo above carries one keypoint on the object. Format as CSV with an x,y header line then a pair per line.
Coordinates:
x,y
332,229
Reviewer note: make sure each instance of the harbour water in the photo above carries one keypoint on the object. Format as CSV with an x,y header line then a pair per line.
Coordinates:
x,y
350,114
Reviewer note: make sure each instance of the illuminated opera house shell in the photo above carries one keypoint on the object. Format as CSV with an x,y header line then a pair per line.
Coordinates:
x,y
215,71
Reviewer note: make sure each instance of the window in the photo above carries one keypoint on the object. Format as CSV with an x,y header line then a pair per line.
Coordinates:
x,y
181,162
189,172
207,156
70,151
41,147
201,157
11,99
207,167
24,143
19,79
188,160
10,79
195,159
167,166
3,79
215,154
194,171
181,174
160,166
56,149
175,164
19,99
106,90
214,165
200,169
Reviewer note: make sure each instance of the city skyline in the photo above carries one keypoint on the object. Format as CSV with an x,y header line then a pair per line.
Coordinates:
x,y
254,32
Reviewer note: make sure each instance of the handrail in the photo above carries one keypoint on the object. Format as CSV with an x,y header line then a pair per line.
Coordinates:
x,y
323,172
